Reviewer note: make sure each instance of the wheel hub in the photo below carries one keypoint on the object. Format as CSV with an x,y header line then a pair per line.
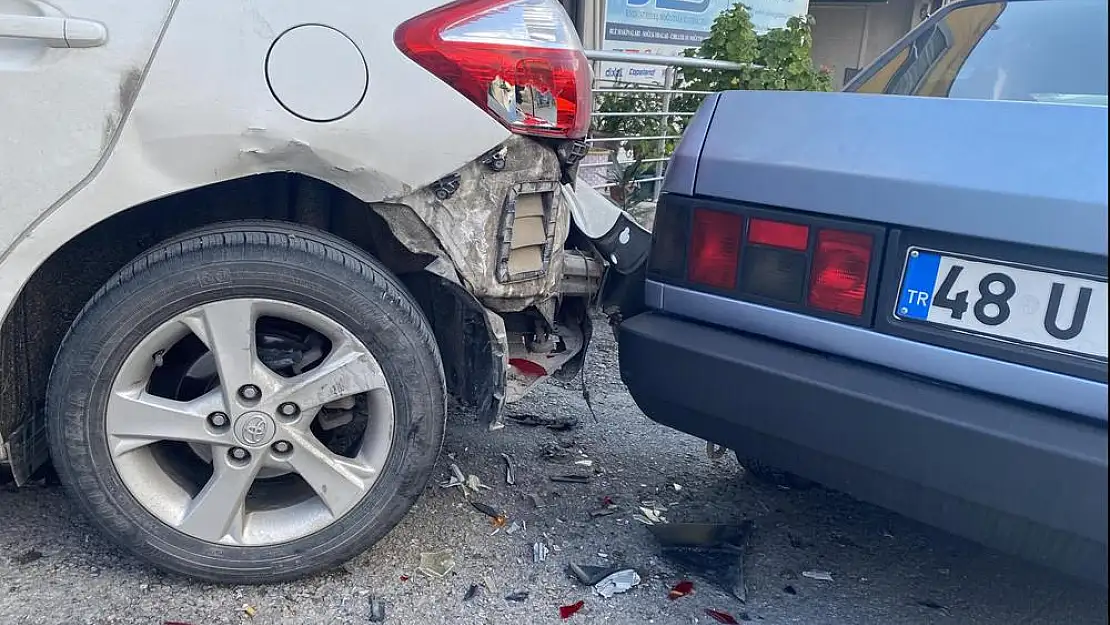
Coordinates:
x,y
255,429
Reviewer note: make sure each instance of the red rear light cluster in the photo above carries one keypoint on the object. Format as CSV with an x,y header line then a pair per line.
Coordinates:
x,y
715,248
792,263
519,60
838,282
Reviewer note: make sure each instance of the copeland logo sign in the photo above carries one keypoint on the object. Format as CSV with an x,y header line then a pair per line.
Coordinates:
x,y
668,27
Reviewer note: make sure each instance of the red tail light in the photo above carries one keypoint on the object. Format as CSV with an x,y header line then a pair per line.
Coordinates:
x,y
840,269
714,248
778,234
519,60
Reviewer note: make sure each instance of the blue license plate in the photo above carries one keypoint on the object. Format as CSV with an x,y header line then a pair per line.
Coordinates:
x,y
918,282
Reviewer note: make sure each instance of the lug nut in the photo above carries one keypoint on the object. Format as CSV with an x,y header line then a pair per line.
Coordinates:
x,y
218,420
250,392
282,447
288,409
238,453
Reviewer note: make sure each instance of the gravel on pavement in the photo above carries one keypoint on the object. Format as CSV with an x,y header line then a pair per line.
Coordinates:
x,y
814,557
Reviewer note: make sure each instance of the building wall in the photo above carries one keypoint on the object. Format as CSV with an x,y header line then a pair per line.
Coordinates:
x,y
848,36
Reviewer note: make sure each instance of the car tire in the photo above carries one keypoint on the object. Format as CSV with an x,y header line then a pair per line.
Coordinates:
x,y
772,475
276,266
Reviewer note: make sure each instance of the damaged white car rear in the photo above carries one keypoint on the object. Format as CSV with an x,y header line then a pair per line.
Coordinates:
x,y
248,249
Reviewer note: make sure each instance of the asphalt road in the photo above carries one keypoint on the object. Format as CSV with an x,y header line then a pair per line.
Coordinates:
x,y
54,569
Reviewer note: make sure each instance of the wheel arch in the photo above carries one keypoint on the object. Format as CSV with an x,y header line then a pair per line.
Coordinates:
x,y
53,295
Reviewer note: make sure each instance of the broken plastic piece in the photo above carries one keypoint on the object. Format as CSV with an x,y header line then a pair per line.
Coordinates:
x,y
474,484
619,582
535,499
590,575
568,611
519,596
721,617
572,478
558,424
681,589
823,576
405,578
715,552
510,469
457,477
489,511
377,610
514,528
539,552
437,563
651,513
472,592
249,610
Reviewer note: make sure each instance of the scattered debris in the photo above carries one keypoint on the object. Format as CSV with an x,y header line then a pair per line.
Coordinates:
x,y
559,424
539,552
518,596
535,499
473,591
721,617
475,485
377,610
823,576
617,583
175,623
510,469
790,590
568,611
677,488
716,552
606,511
585,462
405,578
27,557
487,510
467,483
591,575
437,563
457,478
555,451
572,478
651,513
516,527
681,589
249,610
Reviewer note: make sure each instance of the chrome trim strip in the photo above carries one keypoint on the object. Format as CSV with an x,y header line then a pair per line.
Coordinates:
x,y
1045,388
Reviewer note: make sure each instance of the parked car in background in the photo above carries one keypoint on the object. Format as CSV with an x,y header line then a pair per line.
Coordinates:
x,y
900,291
247,248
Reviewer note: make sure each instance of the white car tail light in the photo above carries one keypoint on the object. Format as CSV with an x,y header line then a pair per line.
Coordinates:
x,y
519,60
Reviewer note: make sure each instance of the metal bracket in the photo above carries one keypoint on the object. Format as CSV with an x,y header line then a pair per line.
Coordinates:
x,y
495,159
446,187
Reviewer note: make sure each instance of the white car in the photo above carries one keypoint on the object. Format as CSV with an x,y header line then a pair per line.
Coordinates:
x,y
246,249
